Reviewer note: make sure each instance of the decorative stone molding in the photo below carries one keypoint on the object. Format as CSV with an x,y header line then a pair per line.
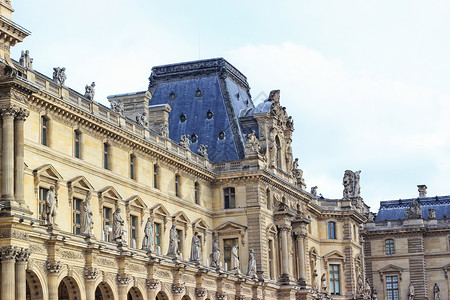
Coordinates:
x,y
8,252
200,292
152,284
178,288
123,278
53,267
239,297
23,255
90,273
22,114
9,110
221,295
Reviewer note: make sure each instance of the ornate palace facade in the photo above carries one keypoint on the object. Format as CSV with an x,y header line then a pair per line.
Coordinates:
x,y
185,191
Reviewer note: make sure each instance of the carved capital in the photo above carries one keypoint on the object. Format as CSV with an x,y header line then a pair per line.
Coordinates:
x,y
152,284
200,292
9,111
8,252
22,114
284,228
123,279
53,267
221,295
23,255
177,288
90,273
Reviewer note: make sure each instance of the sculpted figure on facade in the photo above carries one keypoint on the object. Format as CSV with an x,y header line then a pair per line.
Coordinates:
x,y
314,190
323,282
184,141
142,119
25,60
196,249
118,226
163,130
59,75
272,148
431,214
360,285
290,157
367,290
414,211
351,184
51,203
436,292
235,266
173,242
147,242
87,216
251,264
315,282
117,107
411,292
374,294
90,91
252,143
215,255
203,150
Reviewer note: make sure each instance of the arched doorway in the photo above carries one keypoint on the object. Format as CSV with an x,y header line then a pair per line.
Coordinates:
x,y
103,291
68,289
161,296
34,287
134,294
185,297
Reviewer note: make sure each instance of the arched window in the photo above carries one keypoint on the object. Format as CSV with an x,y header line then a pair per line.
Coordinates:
x,y
106,153
332,230
229,197
44,130
77,144
277,141
389,245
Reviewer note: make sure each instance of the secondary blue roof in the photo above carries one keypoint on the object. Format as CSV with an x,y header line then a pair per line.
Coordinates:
x,y
206,98
395,209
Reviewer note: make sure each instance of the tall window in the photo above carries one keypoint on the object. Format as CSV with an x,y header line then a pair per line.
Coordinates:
x,y
180,241
334,280
107,222
270,254
177,185
277,141
155,176
331,230
42,196
269,205
133,231
44,131
132,166
227,245
229,197
389,245
106,150
196,193
392,287
76,143
157,229
76,218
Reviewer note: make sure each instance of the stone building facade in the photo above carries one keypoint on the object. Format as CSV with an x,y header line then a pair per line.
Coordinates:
x,y
185,191
407,248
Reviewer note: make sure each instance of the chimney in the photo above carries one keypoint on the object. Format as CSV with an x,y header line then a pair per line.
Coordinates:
x,y
422,190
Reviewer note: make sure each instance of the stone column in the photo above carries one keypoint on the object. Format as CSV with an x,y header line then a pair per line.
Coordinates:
x,y
19,155
122,281
301,258
8,153
284,252
21,275
53,269
90,275
8,254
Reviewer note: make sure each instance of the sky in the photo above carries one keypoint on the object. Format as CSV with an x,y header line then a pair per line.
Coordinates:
x,y
367,82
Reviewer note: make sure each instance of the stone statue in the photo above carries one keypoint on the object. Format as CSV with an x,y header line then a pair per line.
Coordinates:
x,y
431,214
414,211
142,119
173,242
314,191
117,107
87,217
196,249
90,91
371,217
51,202
367,290
184,141
374,294
203,150
59,75
251,264
118,226
295,165
147,242
252,143
315,283
351,184
436,292
235,258
323,283
215,255
164,130
411,292
25,60
272,148
360,286
289,156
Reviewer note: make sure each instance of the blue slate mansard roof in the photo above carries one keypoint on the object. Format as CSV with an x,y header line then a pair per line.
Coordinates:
x,y
206,98
395,209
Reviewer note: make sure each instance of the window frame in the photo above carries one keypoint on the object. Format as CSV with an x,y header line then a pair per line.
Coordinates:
x,y
41,200
77,143
44,138
107,234
390,289
133,166
331,230
229,197
177,183
227,251
155,176
106,156
196,193
134,229
389,246
76,211
335,281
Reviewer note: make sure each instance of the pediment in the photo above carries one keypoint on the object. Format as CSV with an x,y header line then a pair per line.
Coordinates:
x,y
334,255
137,201
159,209
230,226
181,217
200,224
81,182
48,171
109,192
271,229
391,268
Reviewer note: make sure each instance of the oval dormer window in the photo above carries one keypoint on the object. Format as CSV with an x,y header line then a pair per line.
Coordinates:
x,y
183,118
